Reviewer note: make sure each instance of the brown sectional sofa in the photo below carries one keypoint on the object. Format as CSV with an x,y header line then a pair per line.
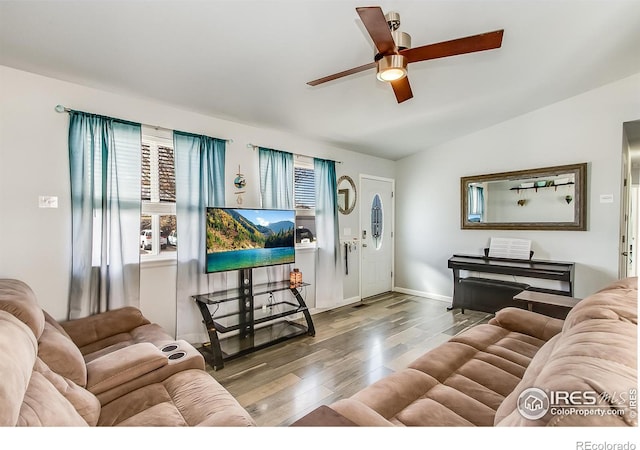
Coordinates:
x,y
110,369
477,377
114,368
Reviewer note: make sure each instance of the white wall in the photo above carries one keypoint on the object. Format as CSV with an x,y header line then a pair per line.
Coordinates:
x,y
586,128
35,243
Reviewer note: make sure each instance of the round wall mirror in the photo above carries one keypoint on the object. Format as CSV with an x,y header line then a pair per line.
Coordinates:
x,y
347,194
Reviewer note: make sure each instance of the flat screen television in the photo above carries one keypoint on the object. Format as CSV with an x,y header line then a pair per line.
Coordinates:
x,y
242,238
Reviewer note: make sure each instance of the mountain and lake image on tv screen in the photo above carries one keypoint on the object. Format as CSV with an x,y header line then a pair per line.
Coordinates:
x,y
245,238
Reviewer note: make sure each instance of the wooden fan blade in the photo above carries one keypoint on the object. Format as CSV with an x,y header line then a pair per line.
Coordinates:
x,y
342,74
376,24
470,44
402,89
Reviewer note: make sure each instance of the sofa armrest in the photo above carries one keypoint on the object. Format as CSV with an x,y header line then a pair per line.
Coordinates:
x,y
180,355
123,365
90,329
527,322
359,413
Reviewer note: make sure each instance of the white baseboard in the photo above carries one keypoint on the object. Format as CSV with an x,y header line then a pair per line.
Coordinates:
x,y
441,298
343,302
350,300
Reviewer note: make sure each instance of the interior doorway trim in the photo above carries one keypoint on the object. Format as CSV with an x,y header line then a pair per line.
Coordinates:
x,y
629,204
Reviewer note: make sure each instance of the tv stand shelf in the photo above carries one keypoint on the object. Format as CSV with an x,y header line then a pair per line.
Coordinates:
x,y
246,316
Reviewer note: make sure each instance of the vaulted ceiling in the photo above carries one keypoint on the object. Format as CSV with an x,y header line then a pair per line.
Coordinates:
x,y
249,61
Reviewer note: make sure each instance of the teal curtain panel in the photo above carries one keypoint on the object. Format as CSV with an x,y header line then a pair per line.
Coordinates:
x,y
200,178
104,162
328,272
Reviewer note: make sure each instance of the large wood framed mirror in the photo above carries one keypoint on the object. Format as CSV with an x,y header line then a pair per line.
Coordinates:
x,y
548,198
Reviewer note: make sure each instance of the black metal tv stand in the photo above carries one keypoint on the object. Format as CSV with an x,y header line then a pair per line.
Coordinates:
x,y
246,318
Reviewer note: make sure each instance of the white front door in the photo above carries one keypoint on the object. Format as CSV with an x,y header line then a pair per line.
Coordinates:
x,y
376,234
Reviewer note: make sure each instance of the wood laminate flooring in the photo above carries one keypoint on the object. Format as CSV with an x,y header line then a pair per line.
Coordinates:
x,y
354,346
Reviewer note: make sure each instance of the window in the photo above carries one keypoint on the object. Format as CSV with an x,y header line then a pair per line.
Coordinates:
x,y
304,190
476,203
158,227
376,221
304,186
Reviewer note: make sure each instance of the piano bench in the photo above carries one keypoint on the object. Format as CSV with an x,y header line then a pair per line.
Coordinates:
x,y
488,295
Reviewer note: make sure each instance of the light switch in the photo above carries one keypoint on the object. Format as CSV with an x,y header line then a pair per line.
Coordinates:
x,y
606,198
47,201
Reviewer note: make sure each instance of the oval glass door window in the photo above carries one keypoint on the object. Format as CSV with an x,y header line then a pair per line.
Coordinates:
x,y
376,221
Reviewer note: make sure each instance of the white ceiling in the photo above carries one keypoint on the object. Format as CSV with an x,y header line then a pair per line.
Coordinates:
x,y
249,61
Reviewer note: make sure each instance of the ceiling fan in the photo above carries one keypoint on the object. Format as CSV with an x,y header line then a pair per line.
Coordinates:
x,y
395,52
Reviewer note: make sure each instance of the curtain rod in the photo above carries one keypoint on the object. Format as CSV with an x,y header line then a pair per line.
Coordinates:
x,y
295,154
63,109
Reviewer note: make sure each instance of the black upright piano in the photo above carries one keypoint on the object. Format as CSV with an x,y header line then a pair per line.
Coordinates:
x,y
489,295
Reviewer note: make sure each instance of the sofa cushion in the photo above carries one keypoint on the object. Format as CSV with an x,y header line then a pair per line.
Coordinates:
x,y
615,302
55,324
44,405
191,397
17,298
62,355
89,330
596,352
84,402
19,349
150,333
106,332
522,321
28,396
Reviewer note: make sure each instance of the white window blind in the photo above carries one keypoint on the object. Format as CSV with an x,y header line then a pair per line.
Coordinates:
x,y
304,187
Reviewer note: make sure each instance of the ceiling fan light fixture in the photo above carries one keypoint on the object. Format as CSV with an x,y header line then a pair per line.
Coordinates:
x,y
402,40
392,68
